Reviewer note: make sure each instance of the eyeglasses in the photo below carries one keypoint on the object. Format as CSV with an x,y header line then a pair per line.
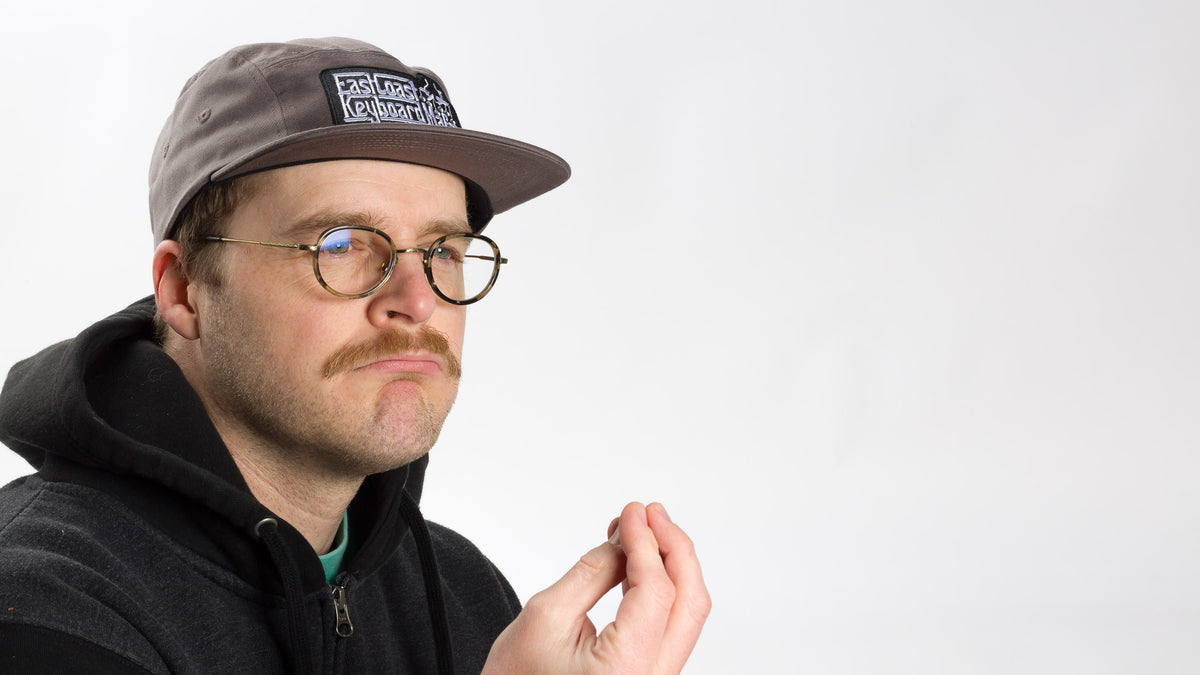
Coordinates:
x,y
352,261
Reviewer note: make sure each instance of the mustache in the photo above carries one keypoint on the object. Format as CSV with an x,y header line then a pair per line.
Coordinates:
x,y
394,343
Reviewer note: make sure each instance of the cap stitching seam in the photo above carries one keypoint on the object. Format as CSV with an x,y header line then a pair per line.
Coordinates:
x,y
306,54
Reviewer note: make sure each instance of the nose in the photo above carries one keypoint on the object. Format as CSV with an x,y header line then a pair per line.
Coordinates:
x,y
406,296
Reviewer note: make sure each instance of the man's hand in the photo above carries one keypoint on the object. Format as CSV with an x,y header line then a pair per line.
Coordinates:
x,y
658,621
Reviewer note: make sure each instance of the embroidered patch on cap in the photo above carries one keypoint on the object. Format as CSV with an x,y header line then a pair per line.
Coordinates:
x,y
374,95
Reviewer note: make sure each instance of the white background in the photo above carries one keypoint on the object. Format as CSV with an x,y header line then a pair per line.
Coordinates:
x,y
892,304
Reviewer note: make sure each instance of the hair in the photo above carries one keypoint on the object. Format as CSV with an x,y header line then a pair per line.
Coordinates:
x,y
205,215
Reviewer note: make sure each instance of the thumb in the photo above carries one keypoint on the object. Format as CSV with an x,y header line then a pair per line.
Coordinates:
x,y
596,573
553,629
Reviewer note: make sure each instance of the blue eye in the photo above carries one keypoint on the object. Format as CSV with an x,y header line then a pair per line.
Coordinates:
x,y
336,244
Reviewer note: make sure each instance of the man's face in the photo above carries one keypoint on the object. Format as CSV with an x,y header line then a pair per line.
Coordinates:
x,y
269,332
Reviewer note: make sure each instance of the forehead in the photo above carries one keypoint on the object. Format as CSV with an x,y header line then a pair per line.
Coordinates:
x,y
400,198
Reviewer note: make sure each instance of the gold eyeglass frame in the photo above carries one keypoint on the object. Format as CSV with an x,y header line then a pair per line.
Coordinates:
x,y
426,259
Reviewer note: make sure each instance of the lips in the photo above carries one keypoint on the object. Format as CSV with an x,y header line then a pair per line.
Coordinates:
x,y
406,363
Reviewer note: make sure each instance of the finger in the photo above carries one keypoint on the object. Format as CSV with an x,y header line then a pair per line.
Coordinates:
x,y
616,539
644,611
692,601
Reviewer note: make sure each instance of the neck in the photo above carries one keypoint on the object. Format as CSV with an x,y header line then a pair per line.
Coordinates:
x,y
311,502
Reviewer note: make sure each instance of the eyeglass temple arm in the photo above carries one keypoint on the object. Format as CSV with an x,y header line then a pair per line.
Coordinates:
x,y
503,261
301,247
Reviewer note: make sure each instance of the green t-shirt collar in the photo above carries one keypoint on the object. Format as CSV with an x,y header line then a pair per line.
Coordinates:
x,y
332,561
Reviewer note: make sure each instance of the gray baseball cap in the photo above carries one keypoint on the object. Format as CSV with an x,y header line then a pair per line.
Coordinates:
x,y
265,106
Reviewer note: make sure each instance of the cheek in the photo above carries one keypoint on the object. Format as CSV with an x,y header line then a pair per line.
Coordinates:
x,y
301,328
295,279
285,286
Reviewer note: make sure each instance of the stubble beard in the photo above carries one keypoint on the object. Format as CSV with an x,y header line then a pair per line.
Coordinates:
x,y
307,428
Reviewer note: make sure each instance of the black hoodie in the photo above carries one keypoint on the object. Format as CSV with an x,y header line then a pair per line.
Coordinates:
x,y
137,546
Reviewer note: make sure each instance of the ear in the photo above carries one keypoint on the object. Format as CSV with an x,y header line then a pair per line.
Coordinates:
x,y
172,291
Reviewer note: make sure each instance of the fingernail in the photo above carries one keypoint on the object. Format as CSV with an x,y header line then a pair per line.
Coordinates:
x,y
663,509
615,539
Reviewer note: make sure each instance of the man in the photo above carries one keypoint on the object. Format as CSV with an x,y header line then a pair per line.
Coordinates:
x,y
228,473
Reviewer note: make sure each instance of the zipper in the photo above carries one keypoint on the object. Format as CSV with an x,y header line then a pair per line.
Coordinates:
x,y
341,609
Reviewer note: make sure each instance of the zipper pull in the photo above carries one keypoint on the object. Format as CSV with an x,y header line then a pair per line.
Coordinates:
x,y
342,611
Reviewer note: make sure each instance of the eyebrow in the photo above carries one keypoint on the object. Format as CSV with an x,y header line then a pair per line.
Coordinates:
x,y
440,227
314,225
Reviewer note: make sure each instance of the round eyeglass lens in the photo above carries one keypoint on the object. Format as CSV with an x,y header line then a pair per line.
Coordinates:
x,y
352,261
464,267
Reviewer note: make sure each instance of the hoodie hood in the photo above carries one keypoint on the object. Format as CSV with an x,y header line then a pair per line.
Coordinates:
x,y
112,399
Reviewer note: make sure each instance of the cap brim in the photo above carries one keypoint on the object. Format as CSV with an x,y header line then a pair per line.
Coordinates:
x,y
508,171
